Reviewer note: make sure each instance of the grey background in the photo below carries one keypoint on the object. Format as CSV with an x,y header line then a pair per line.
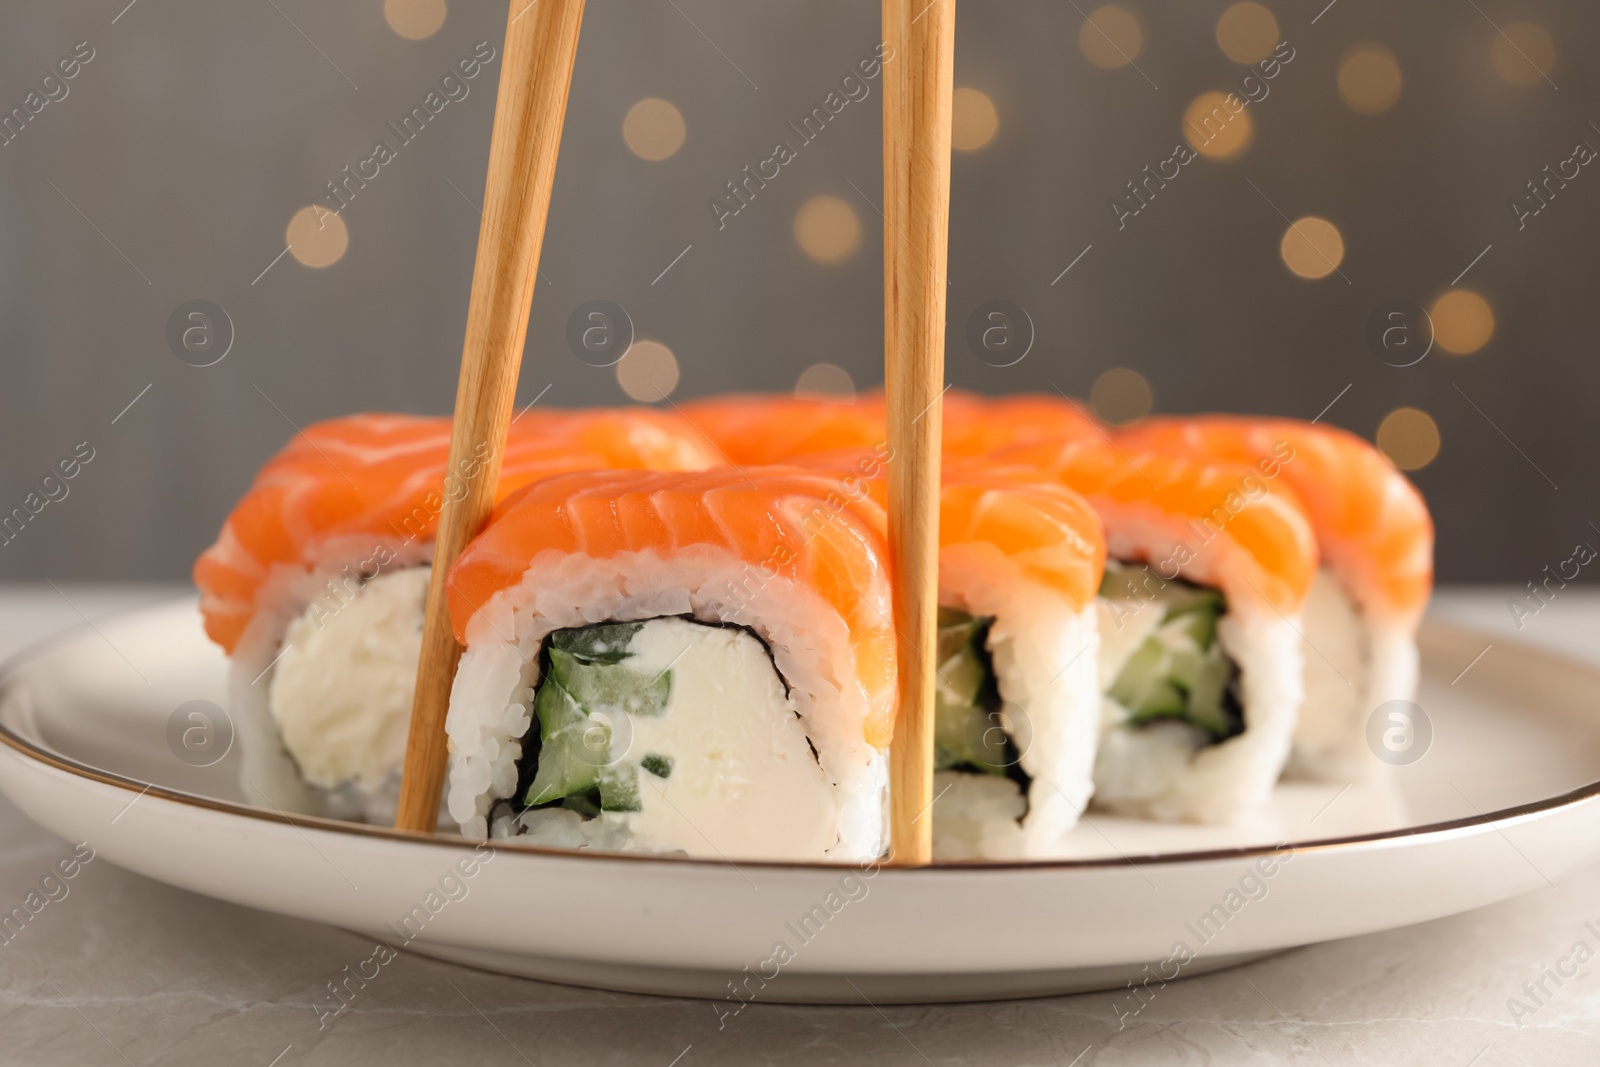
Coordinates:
x,y
200,128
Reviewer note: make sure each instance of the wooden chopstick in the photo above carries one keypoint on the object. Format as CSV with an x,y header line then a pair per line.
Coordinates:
x,y
541,46
917,88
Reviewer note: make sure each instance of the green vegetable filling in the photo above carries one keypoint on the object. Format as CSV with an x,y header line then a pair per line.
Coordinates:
x,y
585,688
967,731
1179,671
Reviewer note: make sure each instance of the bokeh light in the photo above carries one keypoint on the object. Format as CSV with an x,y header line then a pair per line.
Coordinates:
x,y
415,20
1522,53
649,372
974,121
1409,437
1111,37
1247,33
827,230
1463,322
825,381
1216,130
317,237
654,129
1369,79
1120,395
1312,247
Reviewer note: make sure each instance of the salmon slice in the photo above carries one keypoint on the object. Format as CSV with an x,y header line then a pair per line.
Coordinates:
x,y
375,484
1050,532
1213,523
767,429
1372,525
783,524
764,429
980,426
1045,529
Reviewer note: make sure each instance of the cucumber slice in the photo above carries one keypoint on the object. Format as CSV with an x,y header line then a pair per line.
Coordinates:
x,y
956,630
1160,699
584,688
967,737
966,727
1172,597
660,766
604,643
961,677
1145,688
616,788
1180,598
572,749
608,687
1208,706
1201,626
1180,671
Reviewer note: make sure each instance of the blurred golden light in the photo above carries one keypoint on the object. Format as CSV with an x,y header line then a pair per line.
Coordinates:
x,y
1409,437
654,129
1463,322
649,372
1215,129
1522,53
1247,33
824,381
974,121
1120,395
1369,79
827,230
1312,247
414,20
317,237
1111,37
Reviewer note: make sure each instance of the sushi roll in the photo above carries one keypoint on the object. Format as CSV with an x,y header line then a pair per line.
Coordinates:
x,y
1016,700
316,587
699,664
1200,655
1376,541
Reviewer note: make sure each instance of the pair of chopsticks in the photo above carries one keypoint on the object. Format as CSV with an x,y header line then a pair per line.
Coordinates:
x,y
541,48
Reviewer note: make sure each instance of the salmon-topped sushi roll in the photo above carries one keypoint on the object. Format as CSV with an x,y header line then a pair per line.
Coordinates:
x,y
316,586
1376,541
1200,659
1017,700
1020,562
676,663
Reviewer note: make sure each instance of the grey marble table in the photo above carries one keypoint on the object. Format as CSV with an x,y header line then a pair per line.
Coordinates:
x,y
126,970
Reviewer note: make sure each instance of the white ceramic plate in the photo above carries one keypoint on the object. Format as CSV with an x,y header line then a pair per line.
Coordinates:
x,y
1506,798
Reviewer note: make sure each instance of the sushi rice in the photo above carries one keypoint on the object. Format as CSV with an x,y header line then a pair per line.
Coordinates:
x,y
320,682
